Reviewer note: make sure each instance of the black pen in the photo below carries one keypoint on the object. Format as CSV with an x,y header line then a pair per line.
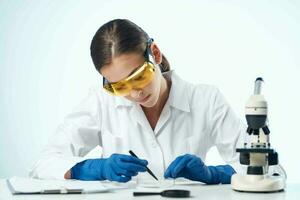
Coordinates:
x,y
148,170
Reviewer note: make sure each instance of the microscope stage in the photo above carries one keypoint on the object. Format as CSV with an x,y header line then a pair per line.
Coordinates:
x,y
255,150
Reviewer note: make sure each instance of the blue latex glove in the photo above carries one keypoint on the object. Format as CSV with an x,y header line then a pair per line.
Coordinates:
x,y
192,167
117,167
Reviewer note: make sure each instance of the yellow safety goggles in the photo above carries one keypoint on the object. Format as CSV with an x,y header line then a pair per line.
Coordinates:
x,y
138,80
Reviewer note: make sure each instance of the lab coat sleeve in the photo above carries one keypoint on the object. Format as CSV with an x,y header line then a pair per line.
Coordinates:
x,y
227,130
73,139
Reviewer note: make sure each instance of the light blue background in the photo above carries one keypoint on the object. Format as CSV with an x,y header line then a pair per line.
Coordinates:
x,y
45,67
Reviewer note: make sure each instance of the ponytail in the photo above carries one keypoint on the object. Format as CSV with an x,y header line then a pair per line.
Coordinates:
x,y
164,65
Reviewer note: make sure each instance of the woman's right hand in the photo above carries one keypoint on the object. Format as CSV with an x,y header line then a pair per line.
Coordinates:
x,y
118,167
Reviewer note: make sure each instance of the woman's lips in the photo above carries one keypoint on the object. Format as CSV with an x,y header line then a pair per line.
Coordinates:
x,y
144,99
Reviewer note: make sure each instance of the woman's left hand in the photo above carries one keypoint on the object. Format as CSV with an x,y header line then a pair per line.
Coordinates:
x,y
192,167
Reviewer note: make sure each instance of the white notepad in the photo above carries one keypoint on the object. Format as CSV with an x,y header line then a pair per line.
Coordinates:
x,y
18,185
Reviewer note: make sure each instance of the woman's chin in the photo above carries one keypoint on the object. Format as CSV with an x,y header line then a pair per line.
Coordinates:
x,y
150,103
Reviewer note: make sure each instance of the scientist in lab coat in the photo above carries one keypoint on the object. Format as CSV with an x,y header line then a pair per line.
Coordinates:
x,y
145,107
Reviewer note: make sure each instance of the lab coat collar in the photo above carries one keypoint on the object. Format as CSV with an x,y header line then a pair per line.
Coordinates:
x,y
179,93
178,97
121,101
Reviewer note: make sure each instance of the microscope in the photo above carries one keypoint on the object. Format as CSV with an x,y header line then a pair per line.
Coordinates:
x,y
257,153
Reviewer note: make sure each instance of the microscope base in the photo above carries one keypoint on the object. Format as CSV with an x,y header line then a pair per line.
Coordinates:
x,y
257,183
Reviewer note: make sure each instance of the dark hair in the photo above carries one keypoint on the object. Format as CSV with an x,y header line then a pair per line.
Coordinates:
x,y
118,37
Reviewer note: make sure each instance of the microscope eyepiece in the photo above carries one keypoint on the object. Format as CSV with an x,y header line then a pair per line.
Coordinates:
x,y
257,86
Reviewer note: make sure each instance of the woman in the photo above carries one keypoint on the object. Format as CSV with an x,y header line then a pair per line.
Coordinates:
x,y
144,107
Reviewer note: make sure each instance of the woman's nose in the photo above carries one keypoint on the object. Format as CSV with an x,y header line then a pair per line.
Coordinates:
x,y
136,93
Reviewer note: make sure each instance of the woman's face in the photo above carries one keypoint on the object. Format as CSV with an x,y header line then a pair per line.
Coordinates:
x,y
124,65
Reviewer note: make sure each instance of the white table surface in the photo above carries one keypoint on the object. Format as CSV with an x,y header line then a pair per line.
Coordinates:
x,y
198,191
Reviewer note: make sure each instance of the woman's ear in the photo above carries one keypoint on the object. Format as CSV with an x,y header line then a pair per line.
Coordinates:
x,y
157,55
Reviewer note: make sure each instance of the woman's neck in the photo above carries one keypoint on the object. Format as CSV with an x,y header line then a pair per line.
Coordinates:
x,y
154,112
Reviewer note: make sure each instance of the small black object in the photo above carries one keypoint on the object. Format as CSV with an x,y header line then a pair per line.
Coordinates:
x,y
166,193
148,170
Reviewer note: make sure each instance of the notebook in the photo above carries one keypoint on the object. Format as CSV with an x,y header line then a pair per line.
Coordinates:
x,y
19,185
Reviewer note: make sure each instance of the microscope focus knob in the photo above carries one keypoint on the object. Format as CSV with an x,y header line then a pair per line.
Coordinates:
x,y
273,158
245,158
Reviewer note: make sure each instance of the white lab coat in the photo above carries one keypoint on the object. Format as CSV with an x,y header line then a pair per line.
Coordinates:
x,y
194,118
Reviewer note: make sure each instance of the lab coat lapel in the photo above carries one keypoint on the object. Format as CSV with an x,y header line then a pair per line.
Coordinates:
x,y
164,117
138,116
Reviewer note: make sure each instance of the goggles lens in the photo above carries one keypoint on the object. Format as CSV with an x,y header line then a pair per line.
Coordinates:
x,y
138,80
